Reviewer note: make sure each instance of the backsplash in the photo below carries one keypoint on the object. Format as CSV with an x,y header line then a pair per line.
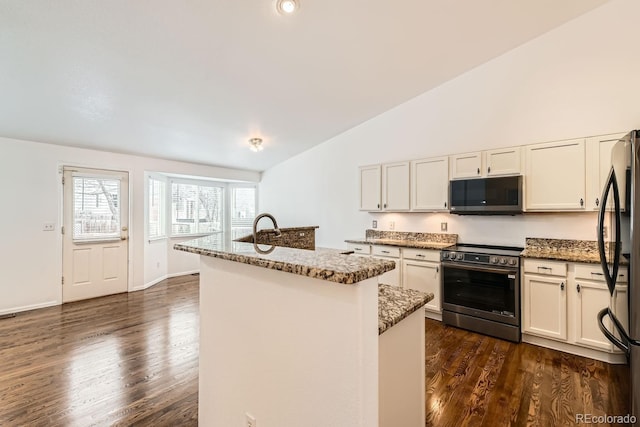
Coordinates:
x,y
405,235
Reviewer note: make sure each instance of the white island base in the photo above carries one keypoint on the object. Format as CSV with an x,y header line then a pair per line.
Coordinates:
x,y
291,351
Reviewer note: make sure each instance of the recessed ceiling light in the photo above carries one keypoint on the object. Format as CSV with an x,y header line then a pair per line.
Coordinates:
x,y
256,144
287,7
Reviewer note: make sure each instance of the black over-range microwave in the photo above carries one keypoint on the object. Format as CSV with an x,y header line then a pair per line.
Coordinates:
x,y
486,196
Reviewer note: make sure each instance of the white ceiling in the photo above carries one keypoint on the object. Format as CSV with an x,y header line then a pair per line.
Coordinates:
x,y
194,80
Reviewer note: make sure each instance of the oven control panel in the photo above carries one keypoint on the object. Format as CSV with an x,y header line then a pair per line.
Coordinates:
x,y
477,258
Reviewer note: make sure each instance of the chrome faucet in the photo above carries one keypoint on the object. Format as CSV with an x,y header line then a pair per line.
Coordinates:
x,y
255,225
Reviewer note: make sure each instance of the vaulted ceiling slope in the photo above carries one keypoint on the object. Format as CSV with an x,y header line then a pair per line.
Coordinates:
x,y
194,80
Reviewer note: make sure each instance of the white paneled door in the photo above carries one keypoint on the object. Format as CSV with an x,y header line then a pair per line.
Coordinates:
x,y
95,218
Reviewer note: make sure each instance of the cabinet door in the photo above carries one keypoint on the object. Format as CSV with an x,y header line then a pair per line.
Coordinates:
x,y
395,189
424,277
370,188
504,161
392,277
600,158
545,306
555,178
468,165
590,298
430,184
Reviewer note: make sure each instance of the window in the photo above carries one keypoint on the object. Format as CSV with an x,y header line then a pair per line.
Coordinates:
x,y
243,211
196,209
96,214
156,219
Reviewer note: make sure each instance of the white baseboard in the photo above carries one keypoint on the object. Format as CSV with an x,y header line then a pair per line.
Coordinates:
x,y
603,356
433,315
183,273
28,307
161,278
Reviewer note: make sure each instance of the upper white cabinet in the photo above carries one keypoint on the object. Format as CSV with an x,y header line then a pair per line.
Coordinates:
x,y
600,158
467,165
395,187
555,176
370,190
498,162
430,184
503,161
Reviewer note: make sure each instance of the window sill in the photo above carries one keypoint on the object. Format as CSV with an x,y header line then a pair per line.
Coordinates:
x,y
157,239
194,236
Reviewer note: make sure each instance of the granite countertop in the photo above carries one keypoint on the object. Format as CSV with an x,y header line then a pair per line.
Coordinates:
x,y
402,243
395,303
564,250
333,265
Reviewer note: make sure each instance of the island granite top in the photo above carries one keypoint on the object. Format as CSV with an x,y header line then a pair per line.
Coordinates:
x,y
396,303
333,265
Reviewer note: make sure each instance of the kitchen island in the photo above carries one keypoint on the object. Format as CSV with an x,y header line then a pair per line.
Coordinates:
x,y
291,338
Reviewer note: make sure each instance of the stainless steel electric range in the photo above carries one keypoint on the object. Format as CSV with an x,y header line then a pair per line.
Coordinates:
x,y
481,289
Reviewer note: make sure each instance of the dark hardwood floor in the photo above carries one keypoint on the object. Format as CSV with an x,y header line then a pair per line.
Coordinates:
x,y
132,359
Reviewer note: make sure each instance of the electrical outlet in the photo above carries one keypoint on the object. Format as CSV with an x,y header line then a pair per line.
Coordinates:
x,y
48,226
392,225
251,421
374,224
443,226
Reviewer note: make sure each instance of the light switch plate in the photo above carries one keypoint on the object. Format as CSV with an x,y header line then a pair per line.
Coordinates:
x,y
374,224
443,226
48,226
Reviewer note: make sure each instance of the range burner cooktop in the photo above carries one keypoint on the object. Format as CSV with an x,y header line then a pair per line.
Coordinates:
x,y
482,254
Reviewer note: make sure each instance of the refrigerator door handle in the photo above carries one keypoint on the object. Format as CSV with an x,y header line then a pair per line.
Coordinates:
x,y
622,345
610,276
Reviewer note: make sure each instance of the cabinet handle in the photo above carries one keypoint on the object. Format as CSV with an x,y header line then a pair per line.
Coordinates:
x,y
545,268
378,205
597,201
581,202
385,206
437,269
385,252
478,171
598,274
562,286
578,287
489,169
357,249
420,255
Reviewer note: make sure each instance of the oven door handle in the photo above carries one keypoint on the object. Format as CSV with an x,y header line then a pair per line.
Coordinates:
x,y
480,268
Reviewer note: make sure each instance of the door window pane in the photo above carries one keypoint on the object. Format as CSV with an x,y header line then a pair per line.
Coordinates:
x,y
96,212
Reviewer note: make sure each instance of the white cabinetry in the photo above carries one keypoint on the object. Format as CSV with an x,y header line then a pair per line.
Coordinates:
x,y
555,176
421,271
599,159
359,249
430,184
561,302
395,187
498,162
545,299
467,165
503,161
384,187
370,189
389,253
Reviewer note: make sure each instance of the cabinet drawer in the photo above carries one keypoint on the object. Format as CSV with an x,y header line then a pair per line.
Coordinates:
x,y
360,249
548,268
594,272
390,251
421,254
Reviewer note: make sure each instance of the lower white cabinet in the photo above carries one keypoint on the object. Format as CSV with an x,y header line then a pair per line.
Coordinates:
x,y
561,302
421,271
389,253
545,306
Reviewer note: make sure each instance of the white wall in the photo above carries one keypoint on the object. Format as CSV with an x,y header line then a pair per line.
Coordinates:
x,y
580,79
31,259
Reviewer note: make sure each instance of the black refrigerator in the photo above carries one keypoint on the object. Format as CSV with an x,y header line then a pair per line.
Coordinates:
x,y
618,227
